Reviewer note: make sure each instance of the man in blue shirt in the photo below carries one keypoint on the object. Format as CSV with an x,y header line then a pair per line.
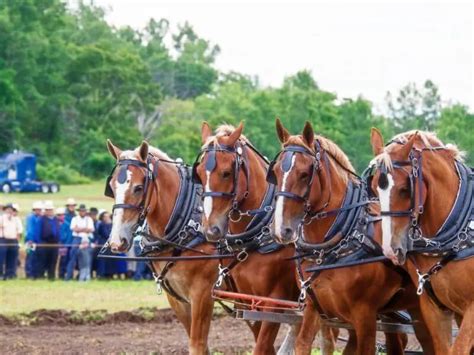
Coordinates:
x,y
49,235
32,233
65,238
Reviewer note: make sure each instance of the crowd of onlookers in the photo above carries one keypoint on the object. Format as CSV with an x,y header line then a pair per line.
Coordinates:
x,y
61,242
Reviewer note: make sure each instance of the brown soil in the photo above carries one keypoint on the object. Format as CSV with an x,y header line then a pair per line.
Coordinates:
x,y
138,332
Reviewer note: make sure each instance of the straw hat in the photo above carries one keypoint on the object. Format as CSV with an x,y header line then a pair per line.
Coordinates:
x,y
71,202
48,205
60,210
37,205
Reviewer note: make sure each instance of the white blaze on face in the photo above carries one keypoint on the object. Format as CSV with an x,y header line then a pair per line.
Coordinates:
x,y
208,199
384,197
281,200
120,191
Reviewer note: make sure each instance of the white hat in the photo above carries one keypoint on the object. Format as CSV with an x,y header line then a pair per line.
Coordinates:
x,y
60,210
37,205
16,207
48,205
70,201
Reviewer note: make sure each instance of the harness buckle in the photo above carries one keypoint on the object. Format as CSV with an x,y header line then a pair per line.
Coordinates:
x,y
321,215
305,284
266,230
242,255
422,278
159,282
223,272
194,225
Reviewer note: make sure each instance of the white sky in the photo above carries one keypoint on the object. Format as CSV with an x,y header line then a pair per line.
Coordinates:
x,y
352,49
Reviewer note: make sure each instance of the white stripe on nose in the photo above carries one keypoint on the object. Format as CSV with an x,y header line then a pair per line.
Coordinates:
x,y
384,197
281,200
208,199
120,191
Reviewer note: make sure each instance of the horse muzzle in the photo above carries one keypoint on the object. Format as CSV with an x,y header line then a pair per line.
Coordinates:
x,y
214,233
286,235
121,247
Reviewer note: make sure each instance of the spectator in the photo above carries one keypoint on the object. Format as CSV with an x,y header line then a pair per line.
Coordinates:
x,y
70,209
82,227
71,262
32,232
65,238
104,266
49,234
10,234
93,213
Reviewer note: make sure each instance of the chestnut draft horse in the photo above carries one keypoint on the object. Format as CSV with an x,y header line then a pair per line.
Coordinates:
x,y
237,211
426,195
148,185
322,207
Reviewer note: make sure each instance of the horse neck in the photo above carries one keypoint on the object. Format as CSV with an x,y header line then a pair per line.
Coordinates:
x,y
165,194
257,179
315,231
443,185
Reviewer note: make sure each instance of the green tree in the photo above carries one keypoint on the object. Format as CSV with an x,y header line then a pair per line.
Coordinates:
x,y
456,125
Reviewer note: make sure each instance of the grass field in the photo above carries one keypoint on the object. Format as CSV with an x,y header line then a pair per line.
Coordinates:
x,y
91,194
20,296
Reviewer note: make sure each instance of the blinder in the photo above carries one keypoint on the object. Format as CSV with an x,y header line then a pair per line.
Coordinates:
x,y
109,192
271,177
211,163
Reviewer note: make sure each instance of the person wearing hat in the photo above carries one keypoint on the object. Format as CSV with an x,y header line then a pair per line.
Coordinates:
x,y
11,229
31,238
65,238
70,209
49,236
82,226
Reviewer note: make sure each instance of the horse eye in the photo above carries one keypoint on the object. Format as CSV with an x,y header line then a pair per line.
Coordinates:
x,y
138,189
304,176
226,174
404,191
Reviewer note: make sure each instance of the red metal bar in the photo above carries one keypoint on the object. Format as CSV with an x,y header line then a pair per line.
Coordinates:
x,y
256,300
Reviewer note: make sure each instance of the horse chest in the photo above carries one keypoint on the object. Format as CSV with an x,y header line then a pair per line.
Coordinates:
x,y
177,280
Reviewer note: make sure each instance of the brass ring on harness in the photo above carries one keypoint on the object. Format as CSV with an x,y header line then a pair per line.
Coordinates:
x,y
232,213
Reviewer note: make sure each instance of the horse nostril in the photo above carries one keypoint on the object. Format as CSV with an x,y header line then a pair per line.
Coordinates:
x,y
287,232
215,231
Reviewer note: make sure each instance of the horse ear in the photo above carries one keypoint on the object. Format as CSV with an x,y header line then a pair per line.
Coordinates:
x,y
206,132
308,134
376,140
143,151
407,147
113,150
282,132
235,135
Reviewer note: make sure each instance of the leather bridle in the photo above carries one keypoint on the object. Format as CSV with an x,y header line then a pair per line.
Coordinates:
x,y
240,162
319,157
415,177
151,171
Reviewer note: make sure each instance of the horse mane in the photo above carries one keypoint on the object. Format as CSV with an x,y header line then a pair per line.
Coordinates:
x,y
134,154
342,163
223,130
429,140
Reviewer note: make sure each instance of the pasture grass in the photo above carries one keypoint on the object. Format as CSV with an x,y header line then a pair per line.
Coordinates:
x,y
24,296
91,194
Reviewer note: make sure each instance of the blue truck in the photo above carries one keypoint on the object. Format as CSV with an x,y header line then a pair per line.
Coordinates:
x,y
18,174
